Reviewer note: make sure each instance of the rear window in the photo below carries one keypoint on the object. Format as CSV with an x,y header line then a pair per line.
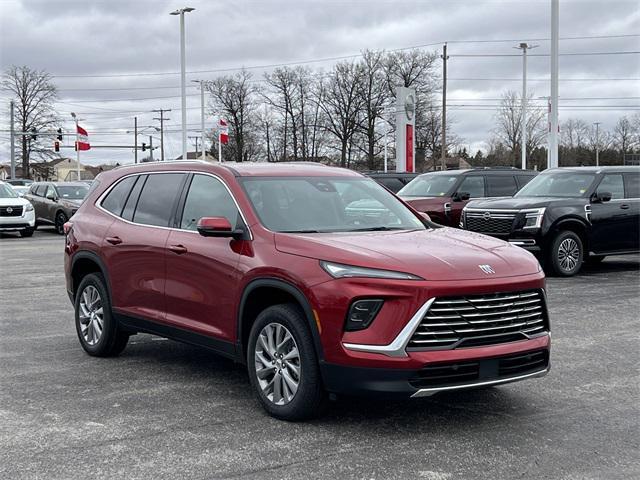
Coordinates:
x,y
155,206
501,185
117,197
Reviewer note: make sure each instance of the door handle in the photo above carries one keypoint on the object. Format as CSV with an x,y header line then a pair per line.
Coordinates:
x,y
114,240
178,249
624,206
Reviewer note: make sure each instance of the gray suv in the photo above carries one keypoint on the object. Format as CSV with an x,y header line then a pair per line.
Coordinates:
x,y
56,202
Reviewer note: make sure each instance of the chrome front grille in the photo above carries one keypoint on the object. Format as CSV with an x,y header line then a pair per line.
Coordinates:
x,y
485,221
475,320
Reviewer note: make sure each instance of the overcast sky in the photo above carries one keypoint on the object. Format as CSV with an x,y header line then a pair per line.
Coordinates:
x,y
78,41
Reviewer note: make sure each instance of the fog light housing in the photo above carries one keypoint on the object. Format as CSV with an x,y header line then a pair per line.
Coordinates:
x,y
361,313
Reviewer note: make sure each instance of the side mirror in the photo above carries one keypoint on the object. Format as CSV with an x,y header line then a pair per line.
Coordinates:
x,y
461,196
217,227
52,197
601,197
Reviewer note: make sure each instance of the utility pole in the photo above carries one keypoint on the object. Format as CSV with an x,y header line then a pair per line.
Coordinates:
x,y
597,124
151,147
523,124
135,139
162,120
553,134
13,143
201,82
75,119
443,153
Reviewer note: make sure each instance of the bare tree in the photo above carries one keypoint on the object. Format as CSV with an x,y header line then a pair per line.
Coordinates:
x,y
342,106
34,95
574,133
234,98
623,135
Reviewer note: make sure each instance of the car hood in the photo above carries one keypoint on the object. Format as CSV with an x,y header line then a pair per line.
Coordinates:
x,y
70,203
518,203
438,254
425,202
5,202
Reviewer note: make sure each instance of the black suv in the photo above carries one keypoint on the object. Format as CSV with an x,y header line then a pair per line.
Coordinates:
x,y
394,181
567,216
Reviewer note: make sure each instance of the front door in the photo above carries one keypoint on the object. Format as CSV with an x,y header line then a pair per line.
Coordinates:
x,y
611,223
202,271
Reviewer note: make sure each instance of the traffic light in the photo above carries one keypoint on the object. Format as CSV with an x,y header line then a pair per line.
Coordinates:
x,y
59,136
34,134
144,146
56,146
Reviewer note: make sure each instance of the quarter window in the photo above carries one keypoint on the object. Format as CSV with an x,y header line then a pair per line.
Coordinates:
x,y
501,185
207,197
115,200
473,185
130,206
632,185
155,206
613,184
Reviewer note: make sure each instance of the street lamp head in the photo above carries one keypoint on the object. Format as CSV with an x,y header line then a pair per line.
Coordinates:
x,y
181,11
73,114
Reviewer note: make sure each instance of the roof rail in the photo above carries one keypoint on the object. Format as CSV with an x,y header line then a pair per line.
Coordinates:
x,y
142,164
495,168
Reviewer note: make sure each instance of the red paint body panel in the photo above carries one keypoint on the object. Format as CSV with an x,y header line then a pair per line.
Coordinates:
x,y
434,206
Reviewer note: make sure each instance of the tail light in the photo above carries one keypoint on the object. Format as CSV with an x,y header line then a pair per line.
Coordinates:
x,y
67,227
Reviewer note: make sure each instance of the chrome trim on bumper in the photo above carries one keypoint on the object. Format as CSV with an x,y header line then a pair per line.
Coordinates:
x,y
524,242
427,392
399,344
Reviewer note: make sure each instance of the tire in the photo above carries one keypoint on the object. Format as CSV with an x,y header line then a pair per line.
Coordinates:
x,y
92,297
309,397
61,219
566,254
27,232
595,259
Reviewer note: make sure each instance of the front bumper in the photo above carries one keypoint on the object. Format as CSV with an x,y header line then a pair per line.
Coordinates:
x,y
437,377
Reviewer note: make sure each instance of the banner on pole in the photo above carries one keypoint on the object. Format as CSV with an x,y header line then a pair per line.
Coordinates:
x,y
83,139
223,132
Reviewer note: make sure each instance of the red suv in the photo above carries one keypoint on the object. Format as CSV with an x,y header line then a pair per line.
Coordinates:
x,y
317,278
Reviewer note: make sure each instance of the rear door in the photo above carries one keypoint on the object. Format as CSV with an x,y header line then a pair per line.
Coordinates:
x,y
202,276
501,185
632,204
134,247
611,221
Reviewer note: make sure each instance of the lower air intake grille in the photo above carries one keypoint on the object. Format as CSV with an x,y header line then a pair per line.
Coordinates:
x,y
476,320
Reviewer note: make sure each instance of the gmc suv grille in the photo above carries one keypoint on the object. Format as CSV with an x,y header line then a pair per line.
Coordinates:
x,y
11,211
495,223
475,320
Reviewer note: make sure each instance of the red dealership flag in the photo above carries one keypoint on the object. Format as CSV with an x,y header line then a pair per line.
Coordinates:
x,y
83,139
223,132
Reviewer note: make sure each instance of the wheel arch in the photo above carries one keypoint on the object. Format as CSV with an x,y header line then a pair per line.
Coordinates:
x,y
86,262
265,292
574,224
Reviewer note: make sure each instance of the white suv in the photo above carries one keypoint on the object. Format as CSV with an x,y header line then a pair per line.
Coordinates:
x,y
16,213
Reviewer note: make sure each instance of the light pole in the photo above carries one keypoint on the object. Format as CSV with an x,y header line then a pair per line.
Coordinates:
x,y
523,124
75,119
201,82
553,113
597,124
183,80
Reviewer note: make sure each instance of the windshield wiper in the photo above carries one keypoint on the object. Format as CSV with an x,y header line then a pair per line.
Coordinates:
x,y
300,231
376,229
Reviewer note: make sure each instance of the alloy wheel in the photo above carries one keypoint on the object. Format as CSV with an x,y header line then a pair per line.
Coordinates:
x,y
91,315
277,363
568,254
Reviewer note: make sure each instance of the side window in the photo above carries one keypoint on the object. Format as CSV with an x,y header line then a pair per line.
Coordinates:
x,y
207,197
115,200
132,201
612,183
41,190
473,185
501,185
632,185
51,191
523,180
155,205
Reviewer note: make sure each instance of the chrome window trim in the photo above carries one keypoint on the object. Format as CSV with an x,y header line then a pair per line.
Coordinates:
x,y
397,347
98,202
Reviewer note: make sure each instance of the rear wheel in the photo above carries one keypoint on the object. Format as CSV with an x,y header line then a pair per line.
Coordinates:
x,y
566,254
97,330
61,219
283,366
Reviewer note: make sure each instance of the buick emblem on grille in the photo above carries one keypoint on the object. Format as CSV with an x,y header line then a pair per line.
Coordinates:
x,y
486,215
9,209
488,269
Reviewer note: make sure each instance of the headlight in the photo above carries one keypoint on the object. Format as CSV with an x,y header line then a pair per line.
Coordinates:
x,y
533,218
338,270
28,207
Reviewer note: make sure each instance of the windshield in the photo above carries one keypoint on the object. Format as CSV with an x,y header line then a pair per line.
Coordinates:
x,y
327,204
558,184
72,192
7,192
429,186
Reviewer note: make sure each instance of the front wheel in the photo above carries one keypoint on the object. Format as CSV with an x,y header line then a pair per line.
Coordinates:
x,y
97,329
283,366
27,232
61,219
566,254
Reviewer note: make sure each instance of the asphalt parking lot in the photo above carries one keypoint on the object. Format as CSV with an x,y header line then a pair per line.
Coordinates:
x,y
168,410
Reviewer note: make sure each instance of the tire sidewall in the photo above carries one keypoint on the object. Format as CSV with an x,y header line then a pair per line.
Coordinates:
x,y
109,325
309,388
61,219
553,254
